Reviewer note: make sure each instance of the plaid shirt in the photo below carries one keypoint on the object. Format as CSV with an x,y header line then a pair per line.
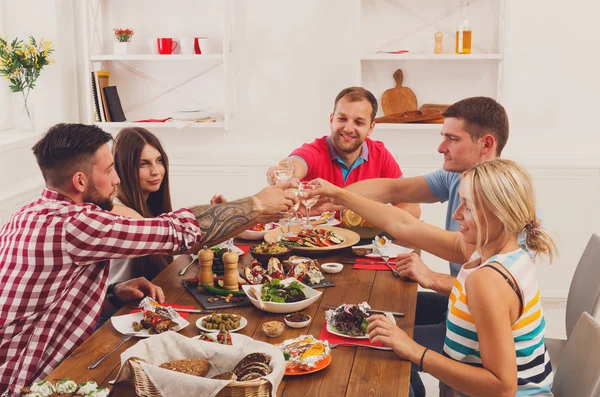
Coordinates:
x,y
54,258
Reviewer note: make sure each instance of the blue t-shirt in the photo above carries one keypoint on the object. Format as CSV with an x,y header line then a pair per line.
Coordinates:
x,y
444,186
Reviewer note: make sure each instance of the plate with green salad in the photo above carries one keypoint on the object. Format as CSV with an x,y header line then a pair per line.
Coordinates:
x,y
283,296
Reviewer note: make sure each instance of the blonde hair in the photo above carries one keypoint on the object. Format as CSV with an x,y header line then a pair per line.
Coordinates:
x,y
505,189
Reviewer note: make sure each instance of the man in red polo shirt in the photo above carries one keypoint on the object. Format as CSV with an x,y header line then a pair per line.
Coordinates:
x,y
348,155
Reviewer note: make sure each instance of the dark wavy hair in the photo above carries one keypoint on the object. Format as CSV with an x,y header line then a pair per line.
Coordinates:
x,y
127,150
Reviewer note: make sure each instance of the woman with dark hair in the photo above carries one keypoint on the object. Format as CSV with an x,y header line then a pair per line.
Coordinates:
x,y
143,166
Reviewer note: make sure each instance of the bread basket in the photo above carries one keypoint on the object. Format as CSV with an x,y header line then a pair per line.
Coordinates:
x,y
145,388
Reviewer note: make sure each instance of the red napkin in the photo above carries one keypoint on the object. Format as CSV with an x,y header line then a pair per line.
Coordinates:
x,y
153,120
174,306
244,248
371,267
328,336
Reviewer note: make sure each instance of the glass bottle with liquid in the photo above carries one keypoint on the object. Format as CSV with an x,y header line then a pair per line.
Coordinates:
x,y
463,30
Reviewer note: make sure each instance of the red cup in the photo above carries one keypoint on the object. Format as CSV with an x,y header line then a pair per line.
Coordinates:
x,y
166,45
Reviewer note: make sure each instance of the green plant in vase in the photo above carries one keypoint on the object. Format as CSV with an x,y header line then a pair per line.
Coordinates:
x,y
21,63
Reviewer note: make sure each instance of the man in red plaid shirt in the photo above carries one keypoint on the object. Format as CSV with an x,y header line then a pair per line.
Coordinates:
x,y
54,252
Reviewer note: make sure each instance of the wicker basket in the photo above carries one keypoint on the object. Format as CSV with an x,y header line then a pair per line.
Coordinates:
x,y
145,388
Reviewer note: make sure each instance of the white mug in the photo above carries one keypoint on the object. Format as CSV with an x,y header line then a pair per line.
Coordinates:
x,y
186,46
152,45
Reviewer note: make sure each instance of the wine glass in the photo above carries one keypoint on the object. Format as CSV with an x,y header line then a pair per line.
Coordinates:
x,y
303,188
283,169
290,217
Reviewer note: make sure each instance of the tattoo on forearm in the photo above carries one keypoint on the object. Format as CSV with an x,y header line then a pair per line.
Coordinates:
x,y
221,220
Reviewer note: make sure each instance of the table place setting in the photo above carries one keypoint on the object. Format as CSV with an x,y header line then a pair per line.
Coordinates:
x,y
341,326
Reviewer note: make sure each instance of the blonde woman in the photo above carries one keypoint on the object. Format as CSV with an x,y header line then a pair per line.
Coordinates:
x,y
495,328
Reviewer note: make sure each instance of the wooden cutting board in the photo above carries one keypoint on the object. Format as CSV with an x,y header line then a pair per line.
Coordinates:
x,y
398,99
412,116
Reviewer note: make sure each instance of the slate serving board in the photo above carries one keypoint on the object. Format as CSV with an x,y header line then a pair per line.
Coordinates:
x,y
203,299
324,283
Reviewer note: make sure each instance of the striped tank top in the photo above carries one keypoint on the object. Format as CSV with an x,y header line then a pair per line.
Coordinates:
x,y
462,344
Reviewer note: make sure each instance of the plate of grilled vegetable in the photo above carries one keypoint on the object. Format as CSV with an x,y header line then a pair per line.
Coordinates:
x,y
324,238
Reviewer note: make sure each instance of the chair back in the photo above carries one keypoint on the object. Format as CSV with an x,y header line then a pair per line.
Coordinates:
x,y
578,372
584,292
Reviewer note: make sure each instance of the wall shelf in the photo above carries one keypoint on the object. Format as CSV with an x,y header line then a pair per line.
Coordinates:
x,y
437,57
150,85
125,124
154,57
434,78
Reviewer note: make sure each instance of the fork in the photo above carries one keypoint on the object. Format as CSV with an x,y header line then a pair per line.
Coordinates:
x,y
95,363
358,345
185,269
386,258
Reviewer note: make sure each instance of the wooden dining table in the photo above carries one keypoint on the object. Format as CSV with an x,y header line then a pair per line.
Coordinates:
x,y
354,371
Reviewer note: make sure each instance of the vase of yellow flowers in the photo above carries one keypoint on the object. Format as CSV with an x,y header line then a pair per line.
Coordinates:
x,y
124,37
21,63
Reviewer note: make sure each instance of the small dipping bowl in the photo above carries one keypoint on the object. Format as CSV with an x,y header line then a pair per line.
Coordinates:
x,y
297,324
332,267
273,328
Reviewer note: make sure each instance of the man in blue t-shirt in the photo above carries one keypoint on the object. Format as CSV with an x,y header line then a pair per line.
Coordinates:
x,y
475,130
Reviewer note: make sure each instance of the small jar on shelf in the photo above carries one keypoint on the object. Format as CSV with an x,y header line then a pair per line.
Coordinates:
x,y
463,30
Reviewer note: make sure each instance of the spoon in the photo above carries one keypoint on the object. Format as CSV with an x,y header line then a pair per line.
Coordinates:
x,y
258,298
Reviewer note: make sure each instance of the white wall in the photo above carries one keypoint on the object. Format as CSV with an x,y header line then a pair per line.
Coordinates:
x,y
293,58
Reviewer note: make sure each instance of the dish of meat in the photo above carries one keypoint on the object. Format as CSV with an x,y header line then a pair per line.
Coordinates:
x,y
124,324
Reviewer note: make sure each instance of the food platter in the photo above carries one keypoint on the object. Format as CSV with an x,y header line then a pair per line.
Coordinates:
x,y
319,366
123,324
350,238
236,339
243,323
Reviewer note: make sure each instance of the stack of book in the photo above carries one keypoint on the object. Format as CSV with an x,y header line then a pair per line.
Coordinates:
x,y
107,105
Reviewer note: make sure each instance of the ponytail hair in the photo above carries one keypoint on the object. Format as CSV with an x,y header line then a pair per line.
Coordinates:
x,y
538,240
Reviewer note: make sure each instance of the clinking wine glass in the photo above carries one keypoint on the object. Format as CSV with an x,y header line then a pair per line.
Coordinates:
x,y
283,169
303,188
290,217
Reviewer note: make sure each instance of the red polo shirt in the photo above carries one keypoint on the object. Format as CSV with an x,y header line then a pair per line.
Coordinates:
x,y
375,161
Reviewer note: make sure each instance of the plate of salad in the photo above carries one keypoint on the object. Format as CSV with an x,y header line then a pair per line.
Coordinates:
x,y
349,321
283,296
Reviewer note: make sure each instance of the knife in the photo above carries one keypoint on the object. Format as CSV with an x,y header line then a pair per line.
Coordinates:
x,y
397,314
194,311
362,263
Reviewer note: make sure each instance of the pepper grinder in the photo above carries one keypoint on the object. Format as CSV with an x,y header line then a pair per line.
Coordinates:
x,y
205,257
230,278
438,43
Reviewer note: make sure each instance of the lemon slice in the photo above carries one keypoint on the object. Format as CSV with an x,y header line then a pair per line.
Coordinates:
x,y
351,219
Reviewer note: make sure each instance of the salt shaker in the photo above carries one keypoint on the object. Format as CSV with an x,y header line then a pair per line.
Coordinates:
x,y
205,257
438,43
230,278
